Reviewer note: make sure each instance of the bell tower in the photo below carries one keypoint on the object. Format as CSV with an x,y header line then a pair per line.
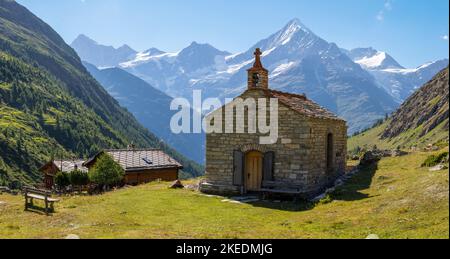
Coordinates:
x,y
258,76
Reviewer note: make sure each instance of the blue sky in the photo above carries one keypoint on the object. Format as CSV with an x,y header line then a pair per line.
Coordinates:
x,y
412,31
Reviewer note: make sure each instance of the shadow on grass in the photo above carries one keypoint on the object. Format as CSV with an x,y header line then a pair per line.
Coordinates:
x,y
39,210
351,191
285,205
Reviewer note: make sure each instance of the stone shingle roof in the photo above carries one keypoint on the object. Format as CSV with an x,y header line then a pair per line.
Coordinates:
x,y
141,159
302,105
70,165
66,166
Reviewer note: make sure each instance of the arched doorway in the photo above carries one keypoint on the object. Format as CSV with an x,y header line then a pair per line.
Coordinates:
x,y
253,170
330,152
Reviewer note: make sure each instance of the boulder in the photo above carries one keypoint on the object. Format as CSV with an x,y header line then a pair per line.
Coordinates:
x,y
177,185
371,157
194,187
397,153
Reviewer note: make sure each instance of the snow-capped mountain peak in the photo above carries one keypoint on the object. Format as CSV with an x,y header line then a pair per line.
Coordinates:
x,y
288,32
101,55
374,61
147,56
293,31
154,52
201,49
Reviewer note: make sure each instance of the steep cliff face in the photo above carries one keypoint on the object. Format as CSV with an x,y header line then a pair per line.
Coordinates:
x,y
424,110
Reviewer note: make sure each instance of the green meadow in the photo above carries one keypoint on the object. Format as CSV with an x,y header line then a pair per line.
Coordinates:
x,y
394,199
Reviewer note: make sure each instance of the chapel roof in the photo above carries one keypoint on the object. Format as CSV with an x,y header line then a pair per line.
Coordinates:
x,y
302,105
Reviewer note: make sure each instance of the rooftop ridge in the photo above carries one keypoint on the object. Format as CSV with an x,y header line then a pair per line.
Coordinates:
x,y
302,96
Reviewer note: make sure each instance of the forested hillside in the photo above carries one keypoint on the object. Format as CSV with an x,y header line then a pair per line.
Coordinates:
x,y
51,106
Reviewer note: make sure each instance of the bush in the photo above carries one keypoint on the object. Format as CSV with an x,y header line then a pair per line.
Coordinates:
x,y
79,178
435,160
106,172
62,180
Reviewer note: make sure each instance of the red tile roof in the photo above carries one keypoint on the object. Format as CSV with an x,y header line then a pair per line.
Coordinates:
x,y
302,105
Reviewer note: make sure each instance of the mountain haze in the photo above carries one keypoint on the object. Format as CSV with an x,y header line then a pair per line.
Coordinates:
x,y
151,108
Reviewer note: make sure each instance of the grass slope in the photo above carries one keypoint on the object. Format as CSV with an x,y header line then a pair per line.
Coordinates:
x,y
396,200
405,140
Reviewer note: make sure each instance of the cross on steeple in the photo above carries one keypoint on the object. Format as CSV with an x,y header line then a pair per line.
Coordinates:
x,y
258,76
257,54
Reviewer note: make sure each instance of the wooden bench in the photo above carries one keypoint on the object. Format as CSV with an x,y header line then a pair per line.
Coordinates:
x,y
272,187
32,193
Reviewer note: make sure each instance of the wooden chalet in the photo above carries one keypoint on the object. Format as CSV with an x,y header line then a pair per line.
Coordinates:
x,y
50,169
142,165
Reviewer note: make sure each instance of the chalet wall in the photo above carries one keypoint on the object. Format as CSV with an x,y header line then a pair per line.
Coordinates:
x,y
147,176
300,153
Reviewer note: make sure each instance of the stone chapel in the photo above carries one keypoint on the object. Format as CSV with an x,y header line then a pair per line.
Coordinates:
x,y
310,152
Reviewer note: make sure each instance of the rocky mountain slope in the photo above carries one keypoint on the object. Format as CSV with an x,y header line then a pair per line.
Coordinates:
x,y
422,120
424,110
50,106
151,108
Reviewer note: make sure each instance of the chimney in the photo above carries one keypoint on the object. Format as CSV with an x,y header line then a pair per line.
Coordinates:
x,y
131,146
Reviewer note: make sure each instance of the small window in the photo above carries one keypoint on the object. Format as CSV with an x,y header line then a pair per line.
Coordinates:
x,y
146,160
330,153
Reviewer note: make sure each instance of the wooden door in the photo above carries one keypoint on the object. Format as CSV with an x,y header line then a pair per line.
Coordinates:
x,y
253,170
